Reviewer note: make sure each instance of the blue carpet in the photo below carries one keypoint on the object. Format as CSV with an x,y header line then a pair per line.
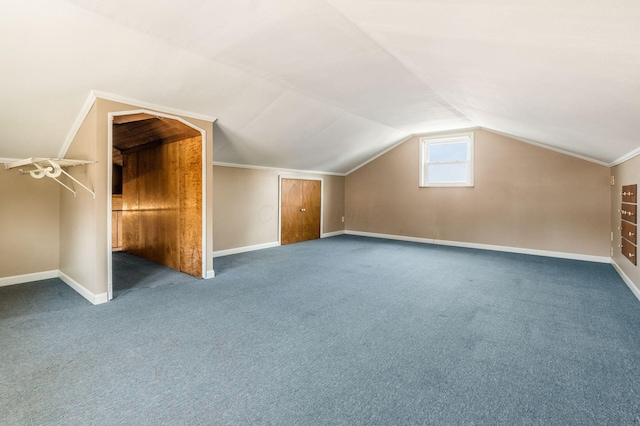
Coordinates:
x,y
340,331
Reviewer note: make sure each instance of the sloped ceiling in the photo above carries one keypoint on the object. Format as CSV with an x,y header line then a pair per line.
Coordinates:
x,y
327,84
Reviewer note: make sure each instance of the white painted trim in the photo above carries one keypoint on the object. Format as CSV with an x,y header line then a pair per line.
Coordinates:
x,y
209,274
297,177
95,299
332,234
550,148
451,138
130,101
82,115
395,145
634,289
246,166
237,250
628,156
27,278
533,252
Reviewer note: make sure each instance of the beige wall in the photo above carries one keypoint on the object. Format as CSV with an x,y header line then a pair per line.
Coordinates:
x,y
524,196
29,213
627,173
78,215
246,203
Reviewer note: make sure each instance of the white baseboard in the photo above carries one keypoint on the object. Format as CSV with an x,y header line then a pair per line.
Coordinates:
x,y
332,234
634,289
27,278
245,249
533,252
96,299
210,274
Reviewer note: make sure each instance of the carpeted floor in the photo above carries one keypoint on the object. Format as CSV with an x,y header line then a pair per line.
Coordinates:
x,y
340,331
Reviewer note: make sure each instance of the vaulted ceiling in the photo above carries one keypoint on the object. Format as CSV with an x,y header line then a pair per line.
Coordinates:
x,y
327,84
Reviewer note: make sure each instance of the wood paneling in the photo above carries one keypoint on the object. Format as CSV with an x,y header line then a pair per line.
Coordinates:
x,y
132,134
628,212
162,202
628,231
629,251
630,193
190,194
300,210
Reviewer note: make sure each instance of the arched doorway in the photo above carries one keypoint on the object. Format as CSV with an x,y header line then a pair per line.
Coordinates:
x,y
157,190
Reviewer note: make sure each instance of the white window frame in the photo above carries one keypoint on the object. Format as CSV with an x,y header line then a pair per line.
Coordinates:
x,y
424,160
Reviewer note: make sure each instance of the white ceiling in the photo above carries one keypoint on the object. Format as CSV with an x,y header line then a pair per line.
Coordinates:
x,y
327,84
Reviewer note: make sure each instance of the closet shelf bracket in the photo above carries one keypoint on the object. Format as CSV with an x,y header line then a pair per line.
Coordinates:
x,y
52,168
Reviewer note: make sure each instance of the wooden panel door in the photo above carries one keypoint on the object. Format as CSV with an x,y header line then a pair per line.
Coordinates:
x,y
291,211
300,210
311,206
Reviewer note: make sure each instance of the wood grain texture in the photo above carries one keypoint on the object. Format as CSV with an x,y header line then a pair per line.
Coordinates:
x,y
141,131
628,231
629,251
130,214
300,210
191,206
630,193
629,212
162,202
291,216
311,200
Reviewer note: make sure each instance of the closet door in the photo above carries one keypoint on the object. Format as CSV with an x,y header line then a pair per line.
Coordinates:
x,y
300,210
311,206
291,214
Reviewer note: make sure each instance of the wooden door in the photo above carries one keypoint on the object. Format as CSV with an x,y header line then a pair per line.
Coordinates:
x,y
300,210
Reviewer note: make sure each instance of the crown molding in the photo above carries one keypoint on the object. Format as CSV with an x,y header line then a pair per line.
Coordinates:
x,y
277,169
628,156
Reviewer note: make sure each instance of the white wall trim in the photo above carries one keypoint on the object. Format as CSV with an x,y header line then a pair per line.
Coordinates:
x,y
96,299
27,278
550,148
332,234
82,115
130,101
628,156
634,289
534,252
246,166
237,250
209,274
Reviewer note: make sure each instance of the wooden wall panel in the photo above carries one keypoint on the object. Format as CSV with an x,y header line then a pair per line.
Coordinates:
x,y
190,194
162,202
130,214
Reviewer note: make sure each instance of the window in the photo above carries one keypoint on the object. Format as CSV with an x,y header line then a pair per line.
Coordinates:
x,y
447,161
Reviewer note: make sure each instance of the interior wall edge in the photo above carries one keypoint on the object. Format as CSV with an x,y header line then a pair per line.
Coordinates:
x,y
506,249
75,127
238,250
277,169
333,234
27,278
96,299
635,288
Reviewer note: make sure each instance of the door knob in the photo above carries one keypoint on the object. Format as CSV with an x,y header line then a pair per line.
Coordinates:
x,y
303,210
